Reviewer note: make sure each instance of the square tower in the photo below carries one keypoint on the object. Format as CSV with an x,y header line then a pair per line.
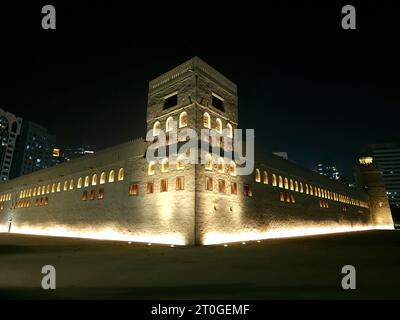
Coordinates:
x,y
195,88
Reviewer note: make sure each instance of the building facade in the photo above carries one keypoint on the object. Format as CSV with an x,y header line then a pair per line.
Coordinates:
x,y
33,150
119,194
10,127
328,170
387,158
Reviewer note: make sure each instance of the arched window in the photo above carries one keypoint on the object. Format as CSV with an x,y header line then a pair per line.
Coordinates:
x,y
232,168
53,188
121,174
274,179
151,169
71,184
87,181
111,176
94,179
221,165
218,125
65,187
79,183
168,124
43,190
280,182
209,162
103,178
183,119
206,120
164,165
296,186
258,176
156,128
291,185
58,187
286,184
265,177
301,187
311,190
180,165
230,130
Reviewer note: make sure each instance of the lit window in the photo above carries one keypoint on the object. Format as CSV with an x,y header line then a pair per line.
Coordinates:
x,y
206,120
311,190
281,197
286,183
296,186
180,165
150,170
156,128
232,168
247,191
301,187
218,125
58,187
164,165
84,195
71,184
121,174
150,187
101,194
183,119
230,130
29,194
258,176
280,182
265,177
103,178
79,185
180,183
292,198
43,190
274,179
87,181
53,188
209,164
111,176
133,189
168,124
221,165
291,185
164,185
221,186
65,187
46,201
233,188
92,194
209,183
287,198
94,179
48,189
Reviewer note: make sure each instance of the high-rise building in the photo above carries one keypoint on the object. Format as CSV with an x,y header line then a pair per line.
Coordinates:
x,y
34,149
75,152
387,157
328,170
10,126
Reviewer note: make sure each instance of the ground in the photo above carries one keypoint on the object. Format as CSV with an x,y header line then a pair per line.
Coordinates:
x,y
296,268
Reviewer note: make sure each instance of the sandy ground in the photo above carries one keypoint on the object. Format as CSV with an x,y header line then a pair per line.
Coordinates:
x,y
297,268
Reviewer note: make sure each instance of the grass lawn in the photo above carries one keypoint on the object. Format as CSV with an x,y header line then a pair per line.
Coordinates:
x,y
296,268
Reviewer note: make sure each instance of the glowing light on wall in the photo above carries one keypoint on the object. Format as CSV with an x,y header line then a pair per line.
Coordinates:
x,y
222,237
107,233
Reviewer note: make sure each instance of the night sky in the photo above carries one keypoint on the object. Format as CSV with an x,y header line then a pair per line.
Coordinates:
x,y
305,85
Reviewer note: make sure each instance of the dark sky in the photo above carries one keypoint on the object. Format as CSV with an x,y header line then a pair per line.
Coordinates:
x,y
305,85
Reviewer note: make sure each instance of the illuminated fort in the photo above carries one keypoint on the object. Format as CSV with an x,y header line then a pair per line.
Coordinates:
x,y
118,194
